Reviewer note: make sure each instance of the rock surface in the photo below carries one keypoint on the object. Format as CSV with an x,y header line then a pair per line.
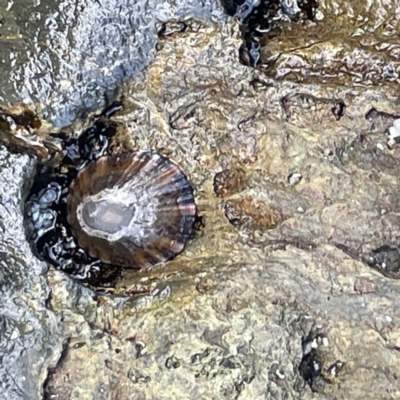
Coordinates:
x,y
65,58
31,340
289,290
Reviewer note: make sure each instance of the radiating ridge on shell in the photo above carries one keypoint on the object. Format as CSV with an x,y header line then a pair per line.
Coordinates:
x,y
131,209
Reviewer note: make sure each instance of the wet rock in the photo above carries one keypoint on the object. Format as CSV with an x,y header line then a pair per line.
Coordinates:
x,y
64,74
236,314
230,317
29,331
313,53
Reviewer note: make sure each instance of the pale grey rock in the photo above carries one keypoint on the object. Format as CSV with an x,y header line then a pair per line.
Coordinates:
x,y
30,335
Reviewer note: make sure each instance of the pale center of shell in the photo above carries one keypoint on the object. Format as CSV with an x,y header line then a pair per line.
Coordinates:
x,y
115,213
106,216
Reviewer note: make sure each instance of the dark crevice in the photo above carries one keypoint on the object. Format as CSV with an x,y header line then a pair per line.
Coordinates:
x,y
384,259
51,371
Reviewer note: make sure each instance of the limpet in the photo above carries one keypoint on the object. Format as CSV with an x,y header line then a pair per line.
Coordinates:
x,y
131,209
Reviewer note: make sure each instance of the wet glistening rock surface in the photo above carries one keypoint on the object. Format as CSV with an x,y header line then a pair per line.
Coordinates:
x,y
289,288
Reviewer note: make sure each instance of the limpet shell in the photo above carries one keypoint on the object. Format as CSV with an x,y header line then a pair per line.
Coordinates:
x,y
131,209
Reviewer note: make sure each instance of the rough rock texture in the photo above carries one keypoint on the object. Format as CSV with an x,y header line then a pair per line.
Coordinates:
x,y
289,288
276,286
67,57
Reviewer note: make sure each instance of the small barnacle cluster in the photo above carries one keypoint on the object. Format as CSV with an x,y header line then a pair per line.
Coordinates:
x,y
386,260
94,211
314,366
394,134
